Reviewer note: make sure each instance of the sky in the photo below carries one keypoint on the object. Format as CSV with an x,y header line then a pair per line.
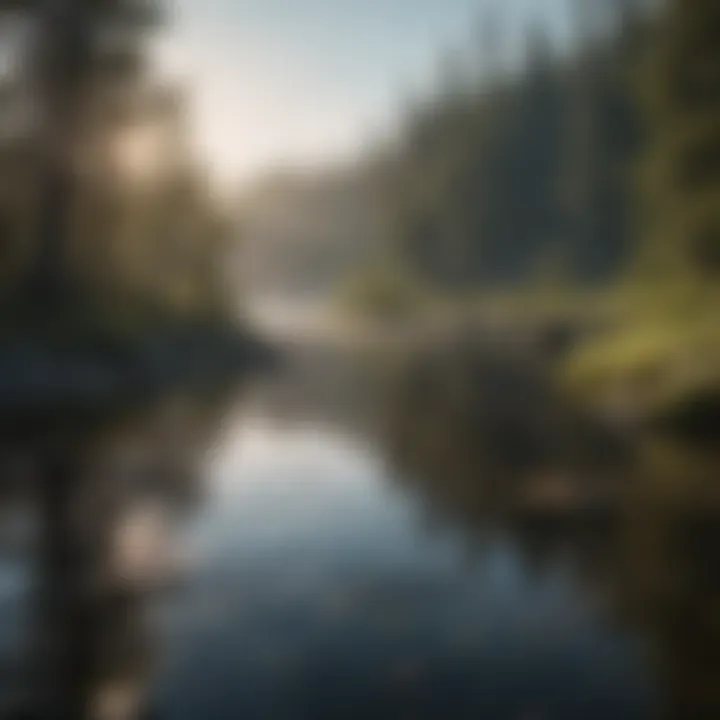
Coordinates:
x,y
304,82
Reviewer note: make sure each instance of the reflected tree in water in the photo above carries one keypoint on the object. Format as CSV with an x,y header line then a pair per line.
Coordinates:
x,y
481,449
109,501
670,581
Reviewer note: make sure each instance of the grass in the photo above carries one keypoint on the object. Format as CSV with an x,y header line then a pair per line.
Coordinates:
x,y
662,356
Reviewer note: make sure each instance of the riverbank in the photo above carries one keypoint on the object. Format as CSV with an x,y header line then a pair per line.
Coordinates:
x,y
628,358
80,368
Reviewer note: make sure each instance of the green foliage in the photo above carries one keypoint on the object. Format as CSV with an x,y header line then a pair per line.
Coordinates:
x,y
682,173
655,356
666,351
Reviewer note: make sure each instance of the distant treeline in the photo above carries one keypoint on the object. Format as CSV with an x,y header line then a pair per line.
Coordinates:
x,y
510,173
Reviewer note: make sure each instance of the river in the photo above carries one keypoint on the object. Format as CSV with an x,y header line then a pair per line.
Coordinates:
x,y
265,556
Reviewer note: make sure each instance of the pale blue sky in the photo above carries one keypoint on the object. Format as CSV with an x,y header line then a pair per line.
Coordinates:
x,y
306,81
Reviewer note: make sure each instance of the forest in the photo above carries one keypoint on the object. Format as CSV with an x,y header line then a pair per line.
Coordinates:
x,y
113,238
512,170
586,172
102,200
585,168
467,467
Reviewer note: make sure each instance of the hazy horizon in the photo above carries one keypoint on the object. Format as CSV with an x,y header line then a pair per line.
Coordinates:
x,y
277,83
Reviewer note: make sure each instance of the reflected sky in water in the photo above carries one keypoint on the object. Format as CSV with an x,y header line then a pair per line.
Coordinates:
x,y
321,592
260,557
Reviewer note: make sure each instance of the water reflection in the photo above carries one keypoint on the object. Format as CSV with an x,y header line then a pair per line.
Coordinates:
x,y
495,450
446,541
670,580
94,509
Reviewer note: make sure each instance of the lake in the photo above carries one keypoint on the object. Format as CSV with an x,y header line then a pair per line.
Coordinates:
x,y
270,554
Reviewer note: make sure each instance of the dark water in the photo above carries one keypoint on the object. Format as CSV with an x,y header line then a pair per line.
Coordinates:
x,y
267,556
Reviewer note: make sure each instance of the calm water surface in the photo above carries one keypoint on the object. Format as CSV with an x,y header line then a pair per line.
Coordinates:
x,y
242,562
322,592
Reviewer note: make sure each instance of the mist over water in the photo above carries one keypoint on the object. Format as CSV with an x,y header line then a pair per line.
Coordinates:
x,y
359,360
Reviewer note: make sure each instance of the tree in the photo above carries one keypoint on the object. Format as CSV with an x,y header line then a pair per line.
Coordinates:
x,y
103,204
525,164
603,129
682,172
83,61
